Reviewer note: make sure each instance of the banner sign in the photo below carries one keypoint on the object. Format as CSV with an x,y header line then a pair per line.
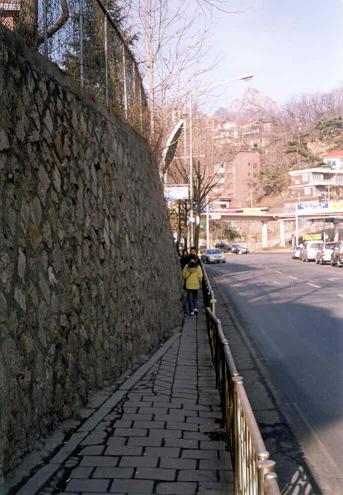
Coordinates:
x,y
313,206
336,205
175,193
312,237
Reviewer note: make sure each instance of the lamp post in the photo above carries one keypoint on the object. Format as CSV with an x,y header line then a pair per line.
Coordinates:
x,y
242,77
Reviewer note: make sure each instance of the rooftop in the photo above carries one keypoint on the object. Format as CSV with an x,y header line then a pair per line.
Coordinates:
x,y
334,154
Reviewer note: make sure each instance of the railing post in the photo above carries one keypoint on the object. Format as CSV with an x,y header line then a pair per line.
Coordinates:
x,y
264,466
213,302
224,388
236,380
271,484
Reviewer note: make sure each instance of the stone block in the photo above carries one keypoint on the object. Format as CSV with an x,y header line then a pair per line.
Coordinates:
x,y
87,486
156,474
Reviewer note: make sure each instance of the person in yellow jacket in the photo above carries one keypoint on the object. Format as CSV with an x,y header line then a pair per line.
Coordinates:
x,y
192,275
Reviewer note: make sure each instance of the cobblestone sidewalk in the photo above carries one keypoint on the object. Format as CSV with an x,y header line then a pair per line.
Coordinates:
x,y
158,434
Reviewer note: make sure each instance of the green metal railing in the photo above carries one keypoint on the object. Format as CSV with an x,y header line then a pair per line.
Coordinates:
x,y
254,471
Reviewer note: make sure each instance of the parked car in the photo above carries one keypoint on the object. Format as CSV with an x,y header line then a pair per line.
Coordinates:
x,y
223,246
324,253
239,249
309,250
337,254
213,256
296,251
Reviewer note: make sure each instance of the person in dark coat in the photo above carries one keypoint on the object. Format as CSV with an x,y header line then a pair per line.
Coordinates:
x,y
184,258
193,252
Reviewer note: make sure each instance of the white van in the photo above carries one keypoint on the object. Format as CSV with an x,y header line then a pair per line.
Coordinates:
x,y
309,250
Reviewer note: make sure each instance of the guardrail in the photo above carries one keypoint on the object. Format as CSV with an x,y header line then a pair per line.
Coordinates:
x,y
254,471
83,38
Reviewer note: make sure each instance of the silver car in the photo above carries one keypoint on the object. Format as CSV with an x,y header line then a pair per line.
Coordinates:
x,y
213,256
309,250
296,251
324,253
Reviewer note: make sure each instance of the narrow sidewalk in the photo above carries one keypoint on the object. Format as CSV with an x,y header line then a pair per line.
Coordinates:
x,y
159,433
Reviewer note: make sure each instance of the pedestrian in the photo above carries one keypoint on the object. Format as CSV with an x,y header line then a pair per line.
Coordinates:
x,y
184,258
192,275
194,252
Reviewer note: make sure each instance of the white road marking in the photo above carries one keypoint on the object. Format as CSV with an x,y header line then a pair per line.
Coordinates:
x,y
295,278
313,285
277,271
340,295
256,298
332,279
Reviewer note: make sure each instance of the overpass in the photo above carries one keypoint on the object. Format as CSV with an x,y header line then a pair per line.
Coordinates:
x,y
330,213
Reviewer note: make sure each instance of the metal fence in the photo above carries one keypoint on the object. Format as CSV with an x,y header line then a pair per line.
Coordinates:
x,y
82,37
254,471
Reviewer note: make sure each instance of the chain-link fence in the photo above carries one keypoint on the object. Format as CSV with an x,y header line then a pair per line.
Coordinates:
x,y
83,39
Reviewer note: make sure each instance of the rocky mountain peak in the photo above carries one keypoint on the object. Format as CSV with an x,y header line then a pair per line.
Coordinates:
x,y
254,104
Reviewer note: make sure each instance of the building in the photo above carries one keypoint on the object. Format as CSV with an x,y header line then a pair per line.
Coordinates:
x,y
248,134
319,183
9,11
238,178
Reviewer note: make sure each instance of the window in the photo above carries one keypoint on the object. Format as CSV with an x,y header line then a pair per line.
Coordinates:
x,y
254,175
248,164
305,177
255,165
308,191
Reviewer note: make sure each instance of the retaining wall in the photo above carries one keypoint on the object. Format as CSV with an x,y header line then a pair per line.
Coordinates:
x,y
89,277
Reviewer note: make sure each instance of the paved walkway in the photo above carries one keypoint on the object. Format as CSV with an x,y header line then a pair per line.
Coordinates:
x,y
157,434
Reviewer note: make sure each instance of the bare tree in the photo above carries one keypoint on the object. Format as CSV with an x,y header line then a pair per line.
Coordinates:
x,y
172,49
207,160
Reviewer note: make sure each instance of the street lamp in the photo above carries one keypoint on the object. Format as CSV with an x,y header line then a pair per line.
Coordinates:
x,y
242,77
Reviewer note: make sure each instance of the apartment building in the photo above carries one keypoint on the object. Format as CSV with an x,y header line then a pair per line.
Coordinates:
x,y
319,183
238,178
249,134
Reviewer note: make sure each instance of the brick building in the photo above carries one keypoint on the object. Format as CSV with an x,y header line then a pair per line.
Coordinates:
x,y
238,178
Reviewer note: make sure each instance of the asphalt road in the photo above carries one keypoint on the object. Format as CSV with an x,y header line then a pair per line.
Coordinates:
x,y
293,313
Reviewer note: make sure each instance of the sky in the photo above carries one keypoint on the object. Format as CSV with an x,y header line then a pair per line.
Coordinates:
x,y
292,47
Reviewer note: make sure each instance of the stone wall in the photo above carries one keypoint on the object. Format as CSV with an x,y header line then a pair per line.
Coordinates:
x,y
89,277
